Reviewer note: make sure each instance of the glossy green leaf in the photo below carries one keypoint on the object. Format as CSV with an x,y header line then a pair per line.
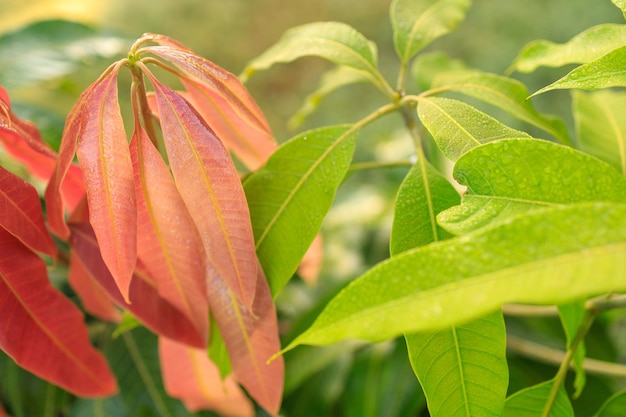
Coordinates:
x,y
532,402
505,93
601,126
334,41
458,127
451,282
424,193
430,64
572,316
50,49
585,47
463,371
416,23
607,71
614,406
290,195
509,177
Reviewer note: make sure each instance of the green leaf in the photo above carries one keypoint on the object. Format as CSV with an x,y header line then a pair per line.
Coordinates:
x,y
451,282
334,41
423,194
332,80
428,65
509,177
458,127
532,401
585,47
505,93
572,316
607,71
601,126
291,194
621,4
51,49
614,406
416,23
217,350
463,370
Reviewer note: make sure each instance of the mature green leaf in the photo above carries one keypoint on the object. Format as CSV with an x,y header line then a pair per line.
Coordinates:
x,y
532,401
585,47
416,23
621,4
50,49
334,41
572,316
428,65
290,195
505,93
601,126
614,406
458,127
424,193
509,177
463,370
451,282
607,71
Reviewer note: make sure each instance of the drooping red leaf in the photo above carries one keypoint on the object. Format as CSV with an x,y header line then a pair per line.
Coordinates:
x,y
251,338
146,305
167,239
210,187
189,374
42,330
103,154
20,214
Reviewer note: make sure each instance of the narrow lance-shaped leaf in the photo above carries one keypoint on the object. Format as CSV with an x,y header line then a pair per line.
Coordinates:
x,y
418,23
251,337
188,374
334,41
585,47
210,187
505,93
601,126
457,280
458,127
532,401
42,330
605,72
509,177
290,196
21,214
168,243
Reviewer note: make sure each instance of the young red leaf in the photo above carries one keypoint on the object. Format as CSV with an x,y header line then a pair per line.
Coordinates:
x,y
209,184
251,338
42,330
20,214
104,157
147,306
189,374
167,240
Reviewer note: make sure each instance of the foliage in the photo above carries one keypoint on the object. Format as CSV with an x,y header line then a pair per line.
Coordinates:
x,y
181,241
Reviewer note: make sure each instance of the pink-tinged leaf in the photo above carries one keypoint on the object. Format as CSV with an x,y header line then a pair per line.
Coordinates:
x,y
42,330
311,264
104,157
209,184
20,214
146,305
189,374
94,299
168,243
251,338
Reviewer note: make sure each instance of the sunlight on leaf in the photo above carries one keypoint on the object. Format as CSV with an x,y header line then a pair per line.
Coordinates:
x,y
621,4
532,401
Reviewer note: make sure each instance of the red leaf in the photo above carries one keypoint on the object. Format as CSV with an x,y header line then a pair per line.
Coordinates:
x,y
168,243
108,173
251,338
209,184
189,374
20,214
240,114
147,306
42,330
